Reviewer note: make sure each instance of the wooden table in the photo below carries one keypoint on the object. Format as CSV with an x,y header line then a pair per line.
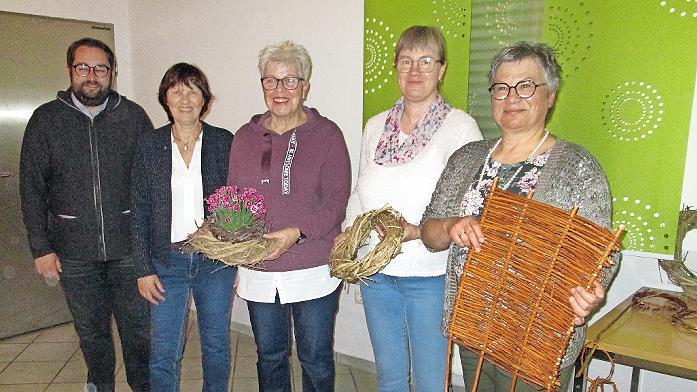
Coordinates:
x,y
645,340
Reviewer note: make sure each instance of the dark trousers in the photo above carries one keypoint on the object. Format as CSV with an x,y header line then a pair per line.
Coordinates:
x,y
94,291
313,322
494,379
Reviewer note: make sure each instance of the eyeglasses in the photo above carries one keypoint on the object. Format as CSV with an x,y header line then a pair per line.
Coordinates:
x,y
100,71
424,64
290,82
524,89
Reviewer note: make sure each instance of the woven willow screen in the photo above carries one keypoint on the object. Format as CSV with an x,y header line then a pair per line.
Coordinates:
x,y
512,306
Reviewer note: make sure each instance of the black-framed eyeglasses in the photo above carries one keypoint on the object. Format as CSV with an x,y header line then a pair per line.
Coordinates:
x,y
424,64
524,89
290,82
100,71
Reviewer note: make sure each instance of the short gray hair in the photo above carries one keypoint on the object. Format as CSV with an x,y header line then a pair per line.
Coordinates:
x,y
538,51
288,53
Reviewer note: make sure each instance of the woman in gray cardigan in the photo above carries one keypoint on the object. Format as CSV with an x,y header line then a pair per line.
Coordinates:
x,y
524,79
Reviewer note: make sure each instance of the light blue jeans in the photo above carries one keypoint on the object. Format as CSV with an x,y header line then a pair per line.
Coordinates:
x,y
404,318
212,292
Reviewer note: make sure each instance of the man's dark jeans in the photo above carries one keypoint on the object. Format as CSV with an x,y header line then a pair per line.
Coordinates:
x,y
94,291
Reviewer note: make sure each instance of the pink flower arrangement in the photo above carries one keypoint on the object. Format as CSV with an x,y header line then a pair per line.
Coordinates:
x,y
236,208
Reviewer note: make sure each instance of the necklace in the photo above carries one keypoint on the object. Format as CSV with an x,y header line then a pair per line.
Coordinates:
x,y
510,181
186,144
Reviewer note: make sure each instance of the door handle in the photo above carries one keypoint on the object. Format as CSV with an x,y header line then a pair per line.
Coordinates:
x,y
5,174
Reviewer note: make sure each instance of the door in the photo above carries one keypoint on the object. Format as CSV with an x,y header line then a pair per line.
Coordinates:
x,y
33,50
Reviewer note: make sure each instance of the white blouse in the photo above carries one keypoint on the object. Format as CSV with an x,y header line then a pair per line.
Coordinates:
x,y
187,192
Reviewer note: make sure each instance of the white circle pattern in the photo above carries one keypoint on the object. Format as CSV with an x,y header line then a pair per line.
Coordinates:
x,y
632,111
451,17
680,8
379,43
500,23
639,220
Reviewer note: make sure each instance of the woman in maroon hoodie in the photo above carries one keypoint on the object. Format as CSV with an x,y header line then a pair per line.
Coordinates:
x,y
299,161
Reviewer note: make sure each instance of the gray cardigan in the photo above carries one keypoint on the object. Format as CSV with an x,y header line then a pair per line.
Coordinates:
x,y
571,177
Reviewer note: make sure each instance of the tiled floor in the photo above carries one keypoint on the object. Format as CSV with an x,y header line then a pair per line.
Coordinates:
x,y
50,361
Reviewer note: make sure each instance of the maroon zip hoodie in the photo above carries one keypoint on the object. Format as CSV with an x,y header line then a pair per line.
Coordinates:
x,y
305,177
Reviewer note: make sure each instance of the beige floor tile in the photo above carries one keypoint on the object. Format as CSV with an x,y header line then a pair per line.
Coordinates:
x,y
73,371
344,383
77,356
3,365
192,348
24,338
245,384
122,387
233,342
23,387
191,369
58,334
30,372
47,352
190,385
66,387
246,346
365,382
340,368
297,382
8,352
120,373
245,366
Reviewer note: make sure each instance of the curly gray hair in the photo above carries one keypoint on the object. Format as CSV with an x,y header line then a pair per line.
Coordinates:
x,y
288,53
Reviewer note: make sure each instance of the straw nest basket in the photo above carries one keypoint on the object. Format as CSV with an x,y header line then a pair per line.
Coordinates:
x,y
512,306
343,262
243,248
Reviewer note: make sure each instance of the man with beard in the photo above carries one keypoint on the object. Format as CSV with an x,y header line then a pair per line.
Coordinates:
x,y
75,171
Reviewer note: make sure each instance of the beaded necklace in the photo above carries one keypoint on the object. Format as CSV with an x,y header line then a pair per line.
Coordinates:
x,y
510,181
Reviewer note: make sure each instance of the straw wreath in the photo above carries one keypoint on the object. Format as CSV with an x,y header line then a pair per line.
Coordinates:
x,y
246,247
343,257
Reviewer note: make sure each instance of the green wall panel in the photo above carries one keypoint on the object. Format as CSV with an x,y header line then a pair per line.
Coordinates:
x,y
626,95
384,22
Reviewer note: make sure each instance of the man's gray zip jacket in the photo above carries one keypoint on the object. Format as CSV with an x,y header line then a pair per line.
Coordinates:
x,y
75,176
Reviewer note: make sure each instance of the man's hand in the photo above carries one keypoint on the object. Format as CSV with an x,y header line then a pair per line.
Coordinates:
x,y
48,266
151,289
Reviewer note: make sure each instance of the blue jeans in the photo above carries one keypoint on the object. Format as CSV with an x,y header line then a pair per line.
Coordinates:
x,y
314,335
404,318
212,292
94,290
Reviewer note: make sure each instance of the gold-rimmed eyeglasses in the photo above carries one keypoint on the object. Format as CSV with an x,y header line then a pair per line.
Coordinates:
x,y
424,64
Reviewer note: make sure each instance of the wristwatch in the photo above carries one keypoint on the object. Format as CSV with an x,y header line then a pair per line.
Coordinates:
x,y
301,239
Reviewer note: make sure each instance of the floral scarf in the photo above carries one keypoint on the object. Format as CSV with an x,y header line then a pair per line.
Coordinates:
x,y
390,152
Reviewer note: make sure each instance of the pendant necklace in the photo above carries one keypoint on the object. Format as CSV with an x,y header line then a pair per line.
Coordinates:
x,y
510,181
186,144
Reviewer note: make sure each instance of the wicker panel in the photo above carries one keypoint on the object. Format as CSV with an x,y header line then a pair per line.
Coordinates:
x,y
512,306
